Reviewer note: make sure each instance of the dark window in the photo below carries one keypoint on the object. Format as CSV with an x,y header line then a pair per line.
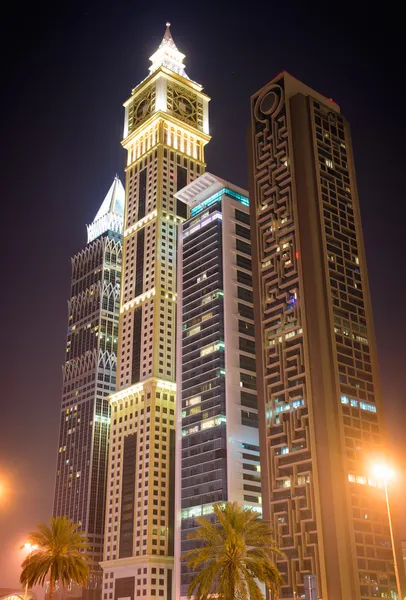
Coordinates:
x,y
249,400
247,328
247,363
181,177
171,505
245,311
247,345
242,216
250,419
242,231
243,247
139,268
142,194
248,381
181,209
169,584
136,359
244,278
244,294
244,262
128,497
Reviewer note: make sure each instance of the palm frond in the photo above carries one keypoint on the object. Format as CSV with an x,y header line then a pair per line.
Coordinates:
x,y
60,554
234,553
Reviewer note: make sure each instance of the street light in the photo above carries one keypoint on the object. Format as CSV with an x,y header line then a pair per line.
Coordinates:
x,y
2,491
30,548
385,474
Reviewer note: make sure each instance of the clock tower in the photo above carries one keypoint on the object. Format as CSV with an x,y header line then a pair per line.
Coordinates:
x,y
165,132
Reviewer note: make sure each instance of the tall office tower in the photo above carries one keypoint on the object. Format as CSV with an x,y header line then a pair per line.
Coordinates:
x,y
165,131
89,376
217,418
319,401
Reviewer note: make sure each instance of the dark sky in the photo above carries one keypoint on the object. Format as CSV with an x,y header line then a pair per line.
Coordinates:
x,y
66,70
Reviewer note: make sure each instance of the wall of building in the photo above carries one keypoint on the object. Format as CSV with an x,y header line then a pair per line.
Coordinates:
x,y
89,376
318,380
218,451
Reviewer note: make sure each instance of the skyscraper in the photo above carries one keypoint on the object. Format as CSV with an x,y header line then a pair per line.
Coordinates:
x,y
217,419
89,376
319,401
165,131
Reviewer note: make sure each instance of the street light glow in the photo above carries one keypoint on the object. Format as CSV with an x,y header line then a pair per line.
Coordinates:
x,y
383,472
3,490
29,547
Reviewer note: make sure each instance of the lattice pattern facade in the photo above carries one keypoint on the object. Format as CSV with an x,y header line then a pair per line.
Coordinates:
x,y
185,105
89,376
138,552
318,373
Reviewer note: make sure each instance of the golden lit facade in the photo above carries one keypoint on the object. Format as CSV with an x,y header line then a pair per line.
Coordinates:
x,y
319,403
166,129
89,377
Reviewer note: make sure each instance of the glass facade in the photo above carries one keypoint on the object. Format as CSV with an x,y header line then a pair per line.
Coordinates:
x,y
218,412
89,376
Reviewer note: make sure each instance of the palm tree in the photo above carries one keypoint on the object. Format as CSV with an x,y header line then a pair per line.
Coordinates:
x,y
236,552
59,555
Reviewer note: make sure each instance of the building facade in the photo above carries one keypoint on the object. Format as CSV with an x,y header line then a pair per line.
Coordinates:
x,y
319,398
217,419
165,131
89,376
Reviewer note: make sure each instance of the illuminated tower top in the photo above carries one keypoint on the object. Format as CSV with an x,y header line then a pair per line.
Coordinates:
x,y
110,214
168,55
166,128
166,93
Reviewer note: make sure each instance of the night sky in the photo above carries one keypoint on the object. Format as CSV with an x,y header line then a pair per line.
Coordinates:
x,y
66,70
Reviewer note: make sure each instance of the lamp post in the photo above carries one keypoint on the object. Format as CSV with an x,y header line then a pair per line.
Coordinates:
x,y
385,474
30,548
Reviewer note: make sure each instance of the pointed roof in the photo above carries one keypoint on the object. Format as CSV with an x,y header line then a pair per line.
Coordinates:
x,y
168,55
168,39
111,212
114,200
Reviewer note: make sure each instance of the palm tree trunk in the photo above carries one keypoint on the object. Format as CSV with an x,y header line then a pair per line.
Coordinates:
x,y
51,588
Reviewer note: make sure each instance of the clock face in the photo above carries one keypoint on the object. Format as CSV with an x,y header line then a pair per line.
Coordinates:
x,y
185,106
141,109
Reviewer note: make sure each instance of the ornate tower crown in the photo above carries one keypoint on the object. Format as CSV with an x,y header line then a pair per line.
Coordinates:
x,y
168,55
111,213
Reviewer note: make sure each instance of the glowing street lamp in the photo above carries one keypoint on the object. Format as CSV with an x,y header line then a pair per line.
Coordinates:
x,y
383,473
2,490
30,548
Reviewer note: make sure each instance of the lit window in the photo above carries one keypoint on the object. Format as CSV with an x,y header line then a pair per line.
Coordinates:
x,y
202,277
193,401
193,331
207,316
208,350
329,163
368,406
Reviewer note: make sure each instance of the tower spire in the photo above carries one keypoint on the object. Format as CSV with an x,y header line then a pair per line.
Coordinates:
x,y
168,55
111,213
168,39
